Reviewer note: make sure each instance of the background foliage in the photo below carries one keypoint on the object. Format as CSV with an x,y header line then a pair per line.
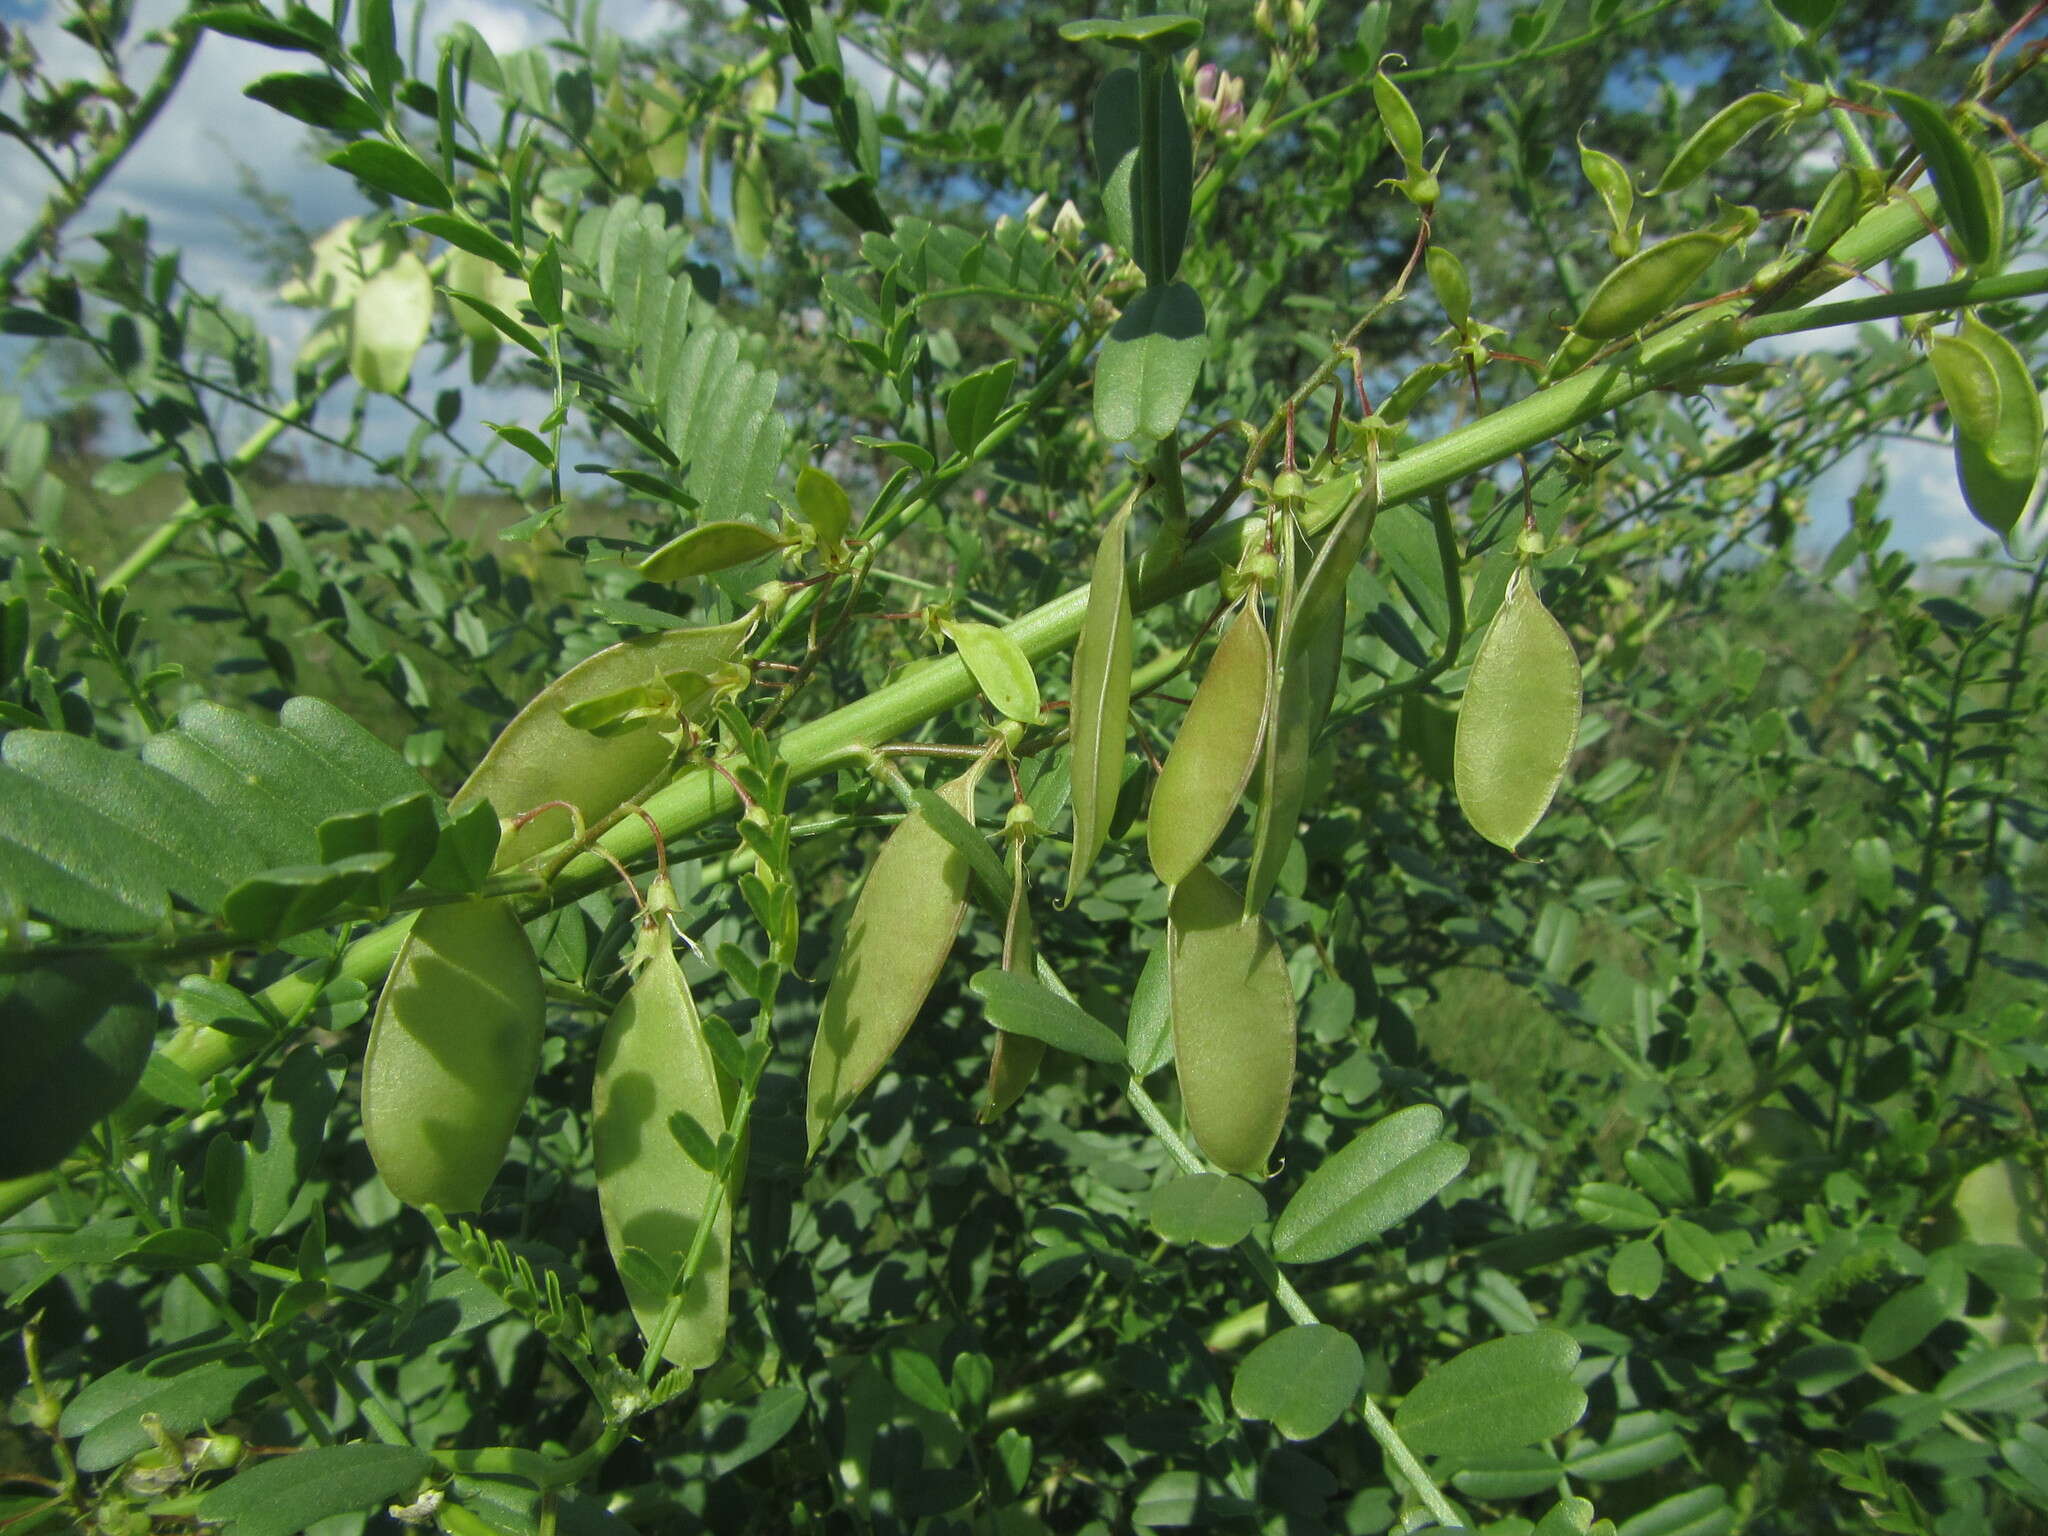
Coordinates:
x,y
1745,1051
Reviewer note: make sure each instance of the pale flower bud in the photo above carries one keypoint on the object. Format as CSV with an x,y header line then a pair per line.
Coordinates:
x,y
1067,226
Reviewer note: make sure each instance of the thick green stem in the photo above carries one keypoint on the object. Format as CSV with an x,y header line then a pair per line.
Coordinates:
x,y
701,795
167,532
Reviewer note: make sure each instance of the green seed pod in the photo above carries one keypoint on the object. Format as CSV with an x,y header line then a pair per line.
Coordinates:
x,y
1519,718
822,502
453,1052
1718,135
388,325
1609,178
1995,414
900,933
541,757
1015,1058
1233,1023
1403,127
1850,193
77,1035
1453,288
1647,284
1310,665
1217,748
653,1064
480,277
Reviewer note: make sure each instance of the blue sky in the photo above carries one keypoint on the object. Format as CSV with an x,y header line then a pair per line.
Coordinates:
x,y
182,177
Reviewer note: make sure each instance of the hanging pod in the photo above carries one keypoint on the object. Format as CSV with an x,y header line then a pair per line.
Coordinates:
x,y
1214,753
540,757
1310,667
1099,712
1718,135
1647,284
453,1052
1995,417
1014,1059
1233,1023
654,1065
1518,719
898,937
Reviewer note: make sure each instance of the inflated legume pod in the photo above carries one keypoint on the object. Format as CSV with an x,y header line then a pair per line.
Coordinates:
x,y
1099,713
1014,1060
1519,718
1718,135
453,1052
1995,416
540,757
653,1064
1214,753
1309,669
1233,1023
1647,284
898,937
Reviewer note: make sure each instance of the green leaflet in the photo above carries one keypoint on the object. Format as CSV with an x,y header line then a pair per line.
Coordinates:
x,y
1215,751
100,839
1519,718
709,547
654,1063
1001,669
388,325
1382,1176
540,757
1303,1379
823,504
1233,1023
453,1052
1965,184
1146,371
900,933
1099,713
1147,207
78,1034
714,410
